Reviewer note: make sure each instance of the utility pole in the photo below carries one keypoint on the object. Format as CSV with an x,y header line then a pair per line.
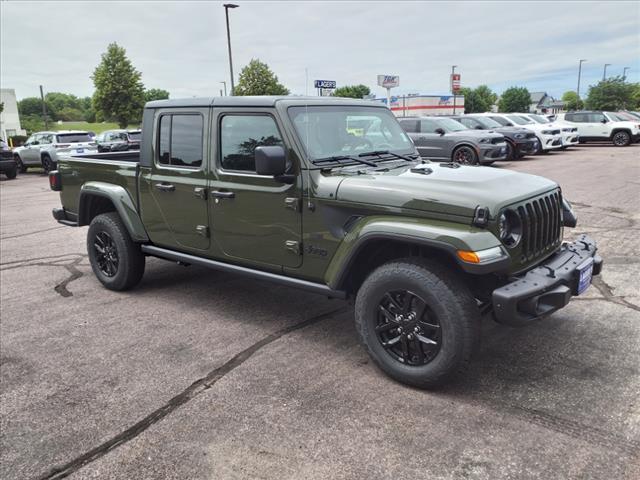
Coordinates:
x,y
44,110
225,88
453,70
227,6
579,72
604,74
624,73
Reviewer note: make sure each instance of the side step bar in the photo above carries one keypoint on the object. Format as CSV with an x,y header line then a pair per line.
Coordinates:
x,y
249,272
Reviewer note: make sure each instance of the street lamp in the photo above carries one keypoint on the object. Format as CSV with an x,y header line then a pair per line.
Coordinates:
x,y
624,73
579,72
227,6
225,87
604,74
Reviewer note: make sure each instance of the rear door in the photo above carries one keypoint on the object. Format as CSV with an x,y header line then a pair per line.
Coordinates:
x,y
256,220
173,191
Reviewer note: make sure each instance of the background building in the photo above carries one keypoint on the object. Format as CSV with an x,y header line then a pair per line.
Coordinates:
x,y
9,118
542,102
423,105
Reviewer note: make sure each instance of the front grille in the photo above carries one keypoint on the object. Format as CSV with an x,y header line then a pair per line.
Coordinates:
x,y
555,132
497,140
6,155
541,225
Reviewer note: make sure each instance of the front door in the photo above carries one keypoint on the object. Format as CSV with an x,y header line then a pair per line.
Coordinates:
x,y
429,143
256,219
174,190
31,153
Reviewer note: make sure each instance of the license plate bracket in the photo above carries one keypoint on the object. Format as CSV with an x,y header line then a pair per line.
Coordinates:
x,y
585,275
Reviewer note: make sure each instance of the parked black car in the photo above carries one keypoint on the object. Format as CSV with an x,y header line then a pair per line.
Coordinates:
x,y
8,164
118,140
520,141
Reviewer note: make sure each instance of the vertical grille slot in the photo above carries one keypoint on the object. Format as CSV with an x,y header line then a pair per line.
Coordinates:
x,y
541,225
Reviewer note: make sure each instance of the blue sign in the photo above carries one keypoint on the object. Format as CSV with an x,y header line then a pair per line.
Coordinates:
x,y
325,84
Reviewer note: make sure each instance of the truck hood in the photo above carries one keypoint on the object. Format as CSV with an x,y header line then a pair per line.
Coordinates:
x,y
442,189
473,133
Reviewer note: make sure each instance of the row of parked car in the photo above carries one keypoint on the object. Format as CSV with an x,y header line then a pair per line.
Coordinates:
x,y
42,149
484,138
481,138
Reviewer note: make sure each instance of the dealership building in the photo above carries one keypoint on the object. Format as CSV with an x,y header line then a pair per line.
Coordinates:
x,y
424,105
9,118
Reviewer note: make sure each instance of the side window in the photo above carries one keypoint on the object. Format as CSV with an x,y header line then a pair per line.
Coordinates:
x,y
467,122
580,117
31,139
46,139
239,137
180,140
428,126
410,126
569,117
596,117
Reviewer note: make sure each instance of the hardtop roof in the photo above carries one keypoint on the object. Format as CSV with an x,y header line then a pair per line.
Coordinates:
x,y
259,101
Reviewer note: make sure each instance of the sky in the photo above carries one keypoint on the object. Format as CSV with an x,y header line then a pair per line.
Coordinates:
x,y
181,46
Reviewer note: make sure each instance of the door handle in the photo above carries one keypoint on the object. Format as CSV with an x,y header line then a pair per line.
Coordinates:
x,y
221,194
165,187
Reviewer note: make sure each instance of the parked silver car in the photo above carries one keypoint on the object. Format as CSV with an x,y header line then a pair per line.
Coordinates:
x,y
445,139
42,148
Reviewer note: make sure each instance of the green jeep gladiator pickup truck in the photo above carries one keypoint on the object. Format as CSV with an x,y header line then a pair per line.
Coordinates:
x,y
330,195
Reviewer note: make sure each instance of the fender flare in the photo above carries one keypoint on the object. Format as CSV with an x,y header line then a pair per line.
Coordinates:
x,y
443,236
621,129
124,205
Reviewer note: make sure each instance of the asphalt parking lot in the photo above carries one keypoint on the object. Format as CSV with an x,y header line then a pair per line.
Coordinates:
x,y
203,375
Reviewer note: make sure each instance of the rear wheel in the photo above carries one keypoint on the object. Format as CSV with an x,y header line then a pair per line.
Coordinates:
x,y
621,139
21,166
464,155
418,322
47,163
115,259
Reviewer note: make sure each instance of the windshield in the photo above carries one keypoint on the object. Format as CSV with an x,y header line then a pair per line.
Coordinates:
x,y
616,117
539,119
330,131
487,122
449,124
519,120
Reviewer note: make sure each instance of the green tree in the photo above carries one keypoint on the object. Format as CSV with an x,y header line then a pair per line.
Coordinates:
x,y
611,94
478,100
487,95
69,114
352,91
119,93
258,79
572,101
155,94
515,99
30,106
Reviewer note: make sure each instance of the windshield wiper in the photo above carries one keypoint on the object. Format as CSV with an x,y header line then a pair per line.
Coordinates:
x,y
338,158
387,152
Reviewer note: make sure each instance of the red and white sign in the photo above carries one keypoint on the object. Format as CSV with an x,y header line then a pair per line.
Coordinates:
x,y
455,82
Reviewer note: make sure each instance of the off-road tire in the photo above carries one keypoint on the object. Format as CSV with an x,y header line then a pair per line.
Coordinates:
x,y
449,300
47,163
21,166
621,139
471,157
130,259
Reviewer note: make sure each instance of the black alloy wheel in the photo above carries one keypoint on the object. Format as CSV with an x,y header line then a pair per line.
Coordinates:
x,y
465,156
106,254
407,328
621,139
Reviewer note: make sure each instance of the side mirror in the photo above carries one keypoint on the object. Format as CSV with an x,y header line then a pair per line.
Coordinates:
x,y
35,143
270,160
439,131
604,120
478,127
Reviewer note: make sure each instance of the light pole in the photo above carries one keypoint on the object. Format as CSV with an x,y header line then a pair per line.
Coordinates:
x,y
225,87
579,73
624,73
604,73
453,70
227,6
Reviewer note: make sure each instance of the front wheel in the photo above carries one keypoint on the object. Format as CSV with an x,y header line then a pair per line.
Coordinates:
x,y
13,173
418,322
465,156
21,166
116,260
621,139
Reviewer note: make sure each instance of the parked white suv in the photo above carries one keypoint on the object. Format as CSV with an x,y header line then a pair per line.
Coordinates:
x,y
603,126
549,137
42,148
570,135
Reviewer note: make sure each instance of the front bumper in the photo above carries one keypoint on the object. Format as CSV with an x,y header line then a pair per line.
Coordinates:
x,y
527,146
569,138
8,165
548,287
492,152
551,142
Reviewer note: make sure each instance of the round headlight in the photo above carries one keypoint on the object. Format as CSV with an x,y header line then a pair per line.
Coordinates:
x,y
509,228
